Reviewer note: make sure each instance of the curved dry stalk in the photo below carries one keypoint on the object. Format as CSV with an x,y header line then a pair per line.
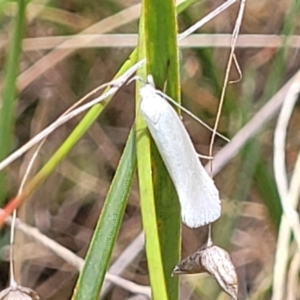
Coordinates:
x,y
288,198
263,116
13,282
13,285
231,59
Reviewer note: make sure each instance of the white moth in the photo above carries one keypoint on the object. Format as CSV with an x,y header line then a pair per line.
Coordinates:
x,y
197,193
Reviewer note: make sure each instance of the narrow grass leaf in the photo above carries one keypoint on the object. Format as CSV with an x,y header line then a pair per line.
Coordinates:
x,y
9,91
149,216
160,207
91,278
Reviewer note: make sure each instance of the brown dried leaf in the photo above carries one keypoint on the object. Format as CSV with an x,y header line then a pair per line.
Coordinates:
x,y
214,260
18,293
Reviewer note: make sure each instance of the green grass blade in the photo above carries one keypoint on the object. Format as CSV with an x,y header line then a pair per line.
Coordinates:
x,y
149,217
160,207
91,278
9,91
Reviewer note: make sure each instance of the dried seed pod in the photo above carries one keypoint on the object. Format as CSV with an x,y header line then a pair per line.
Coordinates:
x,y
190,265
18,293
214,260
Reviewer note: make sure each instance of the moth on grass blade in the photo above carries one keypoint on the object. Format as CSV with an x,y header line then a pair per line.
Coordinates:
x,y
197,193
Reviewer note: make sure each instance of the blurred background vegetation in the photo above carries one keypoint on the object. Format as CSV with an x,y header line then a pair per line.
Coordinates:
x,y
67,206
